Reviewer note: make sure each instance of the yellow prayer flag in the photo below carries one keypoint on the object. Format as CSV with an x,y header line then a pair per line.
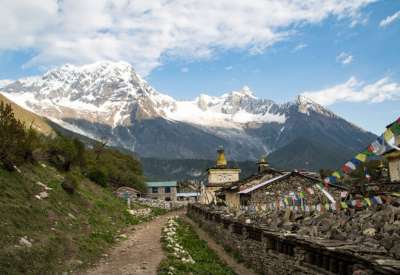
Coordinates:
x,y
361,157
336,174
343,205
368,201
388,135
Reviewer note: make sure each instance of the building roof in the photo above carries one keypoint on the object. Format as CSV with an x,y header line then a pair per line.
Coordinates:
x,y
255,187
188,194
127,189
161,184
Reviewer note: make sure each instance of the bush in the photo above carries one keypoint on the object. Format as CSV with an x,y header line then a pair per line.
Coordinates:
x,y
98,176
70,183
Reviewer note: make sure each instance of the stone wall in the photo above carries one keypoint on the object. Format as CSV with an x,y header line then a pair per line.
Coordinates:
x,y
270,252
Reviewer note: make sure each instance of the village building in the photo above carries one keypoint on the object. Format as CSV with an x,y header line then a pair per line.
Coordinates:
x,y
162,190
274,189
219,176
126,192
393,158
230,194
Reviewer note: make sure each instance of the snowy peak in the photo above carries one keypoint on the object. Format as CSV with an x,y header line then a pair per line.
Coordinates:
x,y
305,105
112,93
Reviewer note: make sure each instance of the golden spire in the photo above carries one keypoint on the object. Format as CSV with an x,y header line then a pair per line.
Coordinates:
x,y
221,161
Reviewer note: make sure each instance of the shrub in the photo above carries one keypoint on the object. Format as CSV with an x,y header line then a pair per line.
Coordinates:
x,y
98,176
70,183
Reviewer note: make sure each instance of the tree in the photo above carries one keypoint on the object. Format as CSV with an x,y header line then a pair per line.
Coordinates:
x,y
12,137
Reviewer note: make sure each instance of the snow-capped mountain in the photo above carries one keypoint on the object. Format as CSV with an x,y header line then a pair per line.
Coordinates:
x,y
110,100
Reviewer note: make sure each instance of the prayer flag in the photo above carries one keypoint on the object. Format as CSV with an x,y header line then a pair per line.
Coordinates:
x,y
361,157
343,194
310,190
343,205
368,201
377,199
337,174
359,204
349,167
388,135
355,161
395,128
378,146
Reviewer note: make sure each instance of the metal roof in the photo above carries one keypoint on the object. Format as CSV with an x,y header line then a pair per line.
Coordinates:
x,y
187,194
161,184
255,187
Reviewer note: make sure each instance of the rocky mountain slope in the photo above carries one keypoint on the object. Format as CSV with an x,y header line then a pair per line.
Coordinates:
x,y
29,118
111,101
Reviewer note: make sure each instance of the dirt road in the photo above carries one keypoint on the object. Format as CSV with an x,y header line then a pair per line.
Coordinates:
x,y
140,254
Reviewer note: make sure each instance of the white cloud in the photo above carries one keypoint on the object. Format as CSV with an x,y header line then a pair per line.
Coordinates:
x,y
355,91
344,58
228,68
299,47
184,70
5,82
144,32
389,20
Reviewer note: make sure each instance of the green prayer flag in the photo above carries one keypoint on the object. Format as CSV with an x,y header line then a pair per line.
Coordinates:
x,y
395,128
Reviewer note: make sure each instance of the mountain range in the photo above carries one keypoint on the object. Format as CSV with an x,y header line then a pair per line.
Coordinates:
x,y
110,101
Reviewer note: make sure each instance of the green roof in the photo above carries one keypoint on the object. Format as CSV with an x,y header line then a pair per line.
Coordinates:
x,y
161,184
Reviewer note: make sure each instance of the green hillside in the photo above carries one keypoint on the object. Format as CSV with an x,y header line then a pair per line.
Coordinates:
x,y
65,230
58,212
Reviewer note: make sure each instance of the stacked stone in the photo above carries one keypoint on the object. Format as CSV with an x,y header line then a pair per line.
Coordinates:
x,y
375,229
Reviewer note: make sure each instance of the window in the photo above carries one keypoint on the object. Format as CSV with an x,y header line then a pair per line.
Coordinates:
x,y
167,199
167,189
154,190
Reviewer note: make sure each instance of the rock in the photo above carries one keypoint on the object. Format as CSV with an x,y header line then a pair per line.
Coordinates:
x,y
335,234
248,221
71,216
44,195
25,242
370,232
389,241
395,251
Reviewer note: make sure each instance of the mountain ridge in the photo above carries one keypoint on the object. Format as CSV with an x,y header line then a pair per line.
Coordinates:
x,y
109,100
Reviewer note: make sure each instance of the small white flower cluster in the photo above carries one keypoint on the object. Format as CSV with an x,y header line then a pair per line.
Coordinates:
x,y
169,234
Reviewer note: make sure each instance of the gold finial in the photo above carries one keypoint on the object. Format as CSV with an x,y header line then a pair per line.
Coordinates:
x,y
263,159
221,161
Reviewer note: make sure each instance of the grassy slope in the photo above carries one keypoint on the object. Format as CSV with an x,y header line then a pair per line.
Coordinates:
x,y
67,231
28,117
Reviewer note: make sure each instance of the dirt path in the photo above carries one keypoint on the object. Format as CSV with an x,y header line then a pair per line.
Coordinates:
x,y
140,254
237,267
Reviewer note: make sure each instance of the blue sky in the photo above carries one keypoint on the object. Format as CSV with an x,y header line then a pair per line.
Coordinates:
x,y
347,57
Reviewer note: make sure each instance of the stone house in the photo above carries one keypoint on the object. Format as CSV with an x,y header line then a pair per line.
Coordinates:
x,y
230,194
273,189
293,190
162,190
126,192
